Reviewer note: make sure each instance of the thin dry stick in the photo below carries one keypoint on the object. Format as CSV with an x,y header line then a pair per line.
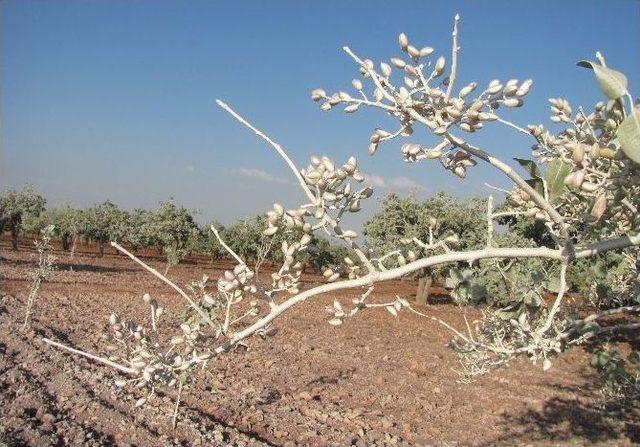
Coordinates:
x,y
226,247
98,359
31,298
167,281
454,57
273,144
43,270
175,411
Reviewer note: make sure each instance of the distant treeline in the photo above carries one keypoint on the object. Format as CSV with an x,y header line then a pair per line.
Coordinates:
x,y
170,229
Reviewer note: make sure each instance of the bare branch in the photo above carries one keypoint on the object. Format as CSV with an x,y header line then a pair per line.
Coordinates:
x,y
98,359
167,281
454,57
273,144
490,221
226,247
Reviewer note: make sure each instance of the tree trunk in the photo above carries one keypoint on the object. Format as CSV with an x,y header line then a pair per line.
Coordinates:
x,y
424,286
100,249
73,245
14,238
65,243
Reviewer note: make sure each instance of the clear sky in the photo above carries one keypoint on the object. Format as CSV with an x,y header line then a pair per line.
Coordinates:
x,y
115,99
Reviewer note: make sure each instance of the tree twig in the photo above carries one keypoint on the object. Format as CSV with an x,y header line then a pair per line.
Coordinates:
x,y
454,57
96,358
167,281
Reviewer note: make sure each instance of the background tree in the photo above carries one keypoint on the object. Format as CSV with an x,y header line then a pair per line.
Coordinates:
x,y
203,241
16,206
322,253
69,223
171,226
141,233
104,223
438,217
246,238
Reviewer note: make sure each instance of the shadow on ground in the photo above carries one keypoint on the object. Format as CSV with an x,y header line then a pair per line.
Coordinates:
x,y
573,420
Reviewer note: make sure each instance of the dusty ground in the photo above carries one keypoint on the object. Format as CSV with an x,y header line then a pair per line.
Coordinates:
x,y
374,380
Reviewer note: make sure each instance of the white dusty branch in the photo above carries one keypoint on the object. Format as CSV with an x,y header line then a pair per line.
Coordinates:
x,y
454,57
371,278
447,258
477,152
167,281
273,144
558,301
226,247
509,172
96,358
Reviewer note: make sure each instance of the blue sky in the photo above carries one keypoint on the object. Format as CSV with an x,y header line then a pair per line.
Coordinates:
x,y
115,99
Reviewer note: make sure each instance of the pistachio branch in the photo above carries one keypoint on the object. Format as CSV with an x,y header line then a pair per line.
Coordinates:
x,y
167,281
273,144
454,57
514,176
447,258
459,142
96,358
314,200
226,247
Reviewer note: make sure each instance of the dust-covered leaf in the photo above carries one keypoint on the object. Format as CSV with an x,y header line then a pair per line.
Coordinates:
x,y
530,166
599,207
557,171
552,285
629,135
612,82
537,185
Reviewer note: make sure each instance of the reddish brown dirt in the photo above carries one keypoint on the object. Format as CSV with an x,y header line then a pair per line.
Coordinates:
x,y
374,380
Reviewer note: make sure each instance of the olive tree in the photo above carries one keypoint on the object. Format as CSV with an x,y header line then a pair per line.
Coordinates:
x,y
419,90
203,241
69,224
246,238
140,233
171,227
403,220
16,206
105,222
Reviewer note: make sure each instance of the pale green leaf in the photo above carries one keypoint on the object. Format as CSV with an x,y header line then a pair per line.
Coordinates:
x,y
530,166
612,82
552,285
557,170
537,185
629,135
